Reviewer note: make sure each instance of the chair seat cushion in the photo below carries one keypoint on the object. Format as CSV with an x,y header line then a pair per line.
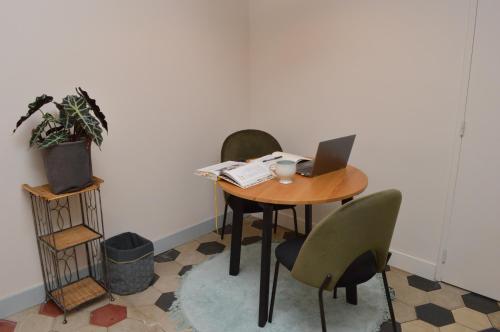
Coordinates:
x,y
287,252
361,270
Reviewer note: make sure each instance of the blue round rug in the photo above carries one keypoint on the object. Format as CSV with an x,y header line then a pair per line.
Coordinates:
x,y
210,300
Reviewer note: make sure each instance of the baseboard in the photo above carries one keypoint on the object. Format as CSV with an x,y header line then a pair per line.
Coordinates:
x,y
22,300
36,294
187,234
412,264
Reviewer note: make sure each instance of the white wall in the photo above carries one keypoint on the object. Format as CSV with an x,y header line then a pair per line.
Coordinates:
x,y
390,72
164,72
175,77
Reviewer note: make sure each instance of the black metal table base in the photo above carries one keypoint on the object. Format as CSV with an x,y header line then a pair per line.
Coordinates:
x,y
265,261
237,229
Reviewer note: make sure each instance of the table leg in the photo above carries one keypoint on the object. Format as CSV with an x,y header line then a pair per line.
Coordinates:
x,y
308,218
234,262
265,263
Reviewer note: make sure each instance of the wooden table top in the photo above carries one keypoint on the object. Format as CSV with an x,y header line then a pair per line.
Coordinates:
x,y
329,187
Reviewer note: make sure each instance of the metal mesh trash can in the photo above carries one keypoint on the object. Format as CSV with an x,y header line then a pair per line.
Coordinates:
x,y
130,263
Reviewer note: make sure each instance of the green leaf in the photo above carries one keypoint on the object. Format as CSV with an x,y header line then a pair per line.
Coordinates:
x,y
33,107
97,130
65,118
98,134
96,109
54,139
54,129
51,118
75,109
36,134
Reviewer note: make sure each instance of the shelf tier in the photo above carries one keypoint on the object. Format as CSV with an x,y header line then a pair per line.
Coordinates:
x,y
70,237
78,293
45,193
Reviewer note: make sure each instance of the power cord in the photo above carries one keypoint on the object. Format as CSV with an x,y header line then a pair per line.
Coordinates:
x,y
216,209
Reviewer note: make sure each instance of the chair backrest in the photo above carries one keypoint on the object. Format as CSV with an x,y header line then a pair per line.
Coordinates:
x,y
364,224
248,144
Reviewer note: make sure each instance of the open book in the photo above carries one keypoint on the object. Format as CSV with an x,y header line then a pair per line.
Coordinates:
x,y
249,174
243,175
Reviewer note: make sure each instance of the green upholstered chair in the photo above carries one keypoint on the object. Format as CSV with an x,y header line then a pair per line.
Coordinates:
x,y
250,144
345,249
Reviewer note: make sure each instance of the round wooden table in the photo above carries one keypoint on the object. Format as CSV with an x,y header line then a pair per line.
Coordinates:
x,y
341,185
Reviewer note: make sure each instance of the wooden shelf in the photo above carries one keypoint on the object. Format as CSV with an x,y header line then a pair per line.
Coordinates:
x,y
70,237
57,249
78,293
45,193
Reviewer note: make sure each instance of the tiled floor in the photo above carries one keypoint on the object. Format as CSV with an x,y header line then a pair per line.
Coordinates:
x,y
420,305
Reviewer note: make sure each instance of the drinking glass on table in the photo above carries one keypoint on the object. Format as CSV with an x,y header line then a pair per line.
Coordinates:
x,y
285,169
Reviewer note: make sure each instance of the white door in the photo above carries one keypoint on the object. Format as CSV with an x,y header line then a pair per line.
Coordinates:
x,y
473,244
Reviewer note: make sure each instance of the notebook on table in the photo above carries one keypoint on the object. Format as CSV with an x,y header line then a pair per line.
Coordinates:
x,y
245,175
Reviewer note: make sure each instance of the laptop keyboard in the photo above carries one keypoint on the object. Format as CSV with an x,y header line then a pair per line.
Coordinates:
x,y
305,168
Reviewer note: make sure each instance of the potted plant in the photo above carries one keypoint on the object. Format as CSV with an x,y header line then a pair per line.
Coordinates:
x,y
65,139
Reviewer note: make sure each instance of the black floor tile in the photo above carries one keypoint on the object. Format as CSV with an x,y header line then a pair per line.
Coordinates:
x,y
257,223
211,248
480,303
423,284
387,326
167,256
434,314
165,301
185,269
250,240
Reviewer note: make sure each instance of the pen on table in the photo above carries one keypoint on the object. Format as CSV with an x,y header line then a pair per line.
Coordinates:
x,y
271,159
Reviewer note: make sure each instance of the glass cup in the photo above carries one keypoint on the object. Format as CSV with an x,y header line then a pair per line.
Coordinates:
x,y
285,169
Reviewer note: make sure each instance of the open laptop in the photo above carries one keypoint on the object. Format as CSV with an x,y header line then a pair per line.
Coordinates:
x,y
331,156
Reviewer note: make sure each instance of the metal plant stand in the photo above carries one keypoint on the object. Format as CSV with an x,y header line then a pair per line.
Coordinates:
x,y
71,254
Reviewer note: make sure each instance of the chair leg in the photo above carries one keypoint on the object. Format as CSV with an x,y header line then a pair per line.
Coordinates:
x,y
389,301
320,296
295,224
275,221
351,294
335,293
273,294
224,222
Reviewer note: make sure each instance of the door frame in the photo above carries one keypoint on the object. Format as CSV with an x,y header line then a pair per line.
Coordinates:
x,y
460,128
